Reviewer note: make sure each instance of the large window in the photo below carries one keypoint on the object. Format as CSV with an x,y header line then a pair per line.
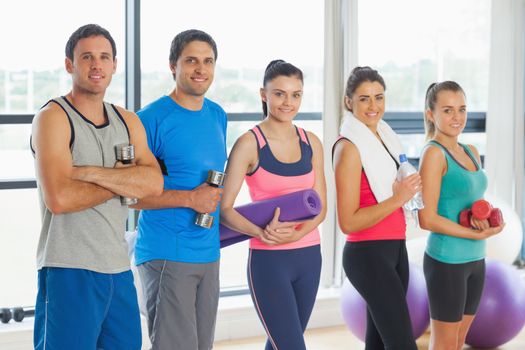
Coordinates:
x,y
35,36
31,72
416,42
248,35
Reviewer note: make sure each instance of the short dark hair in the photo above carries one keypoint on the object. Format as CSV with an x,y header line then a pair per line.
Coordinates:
x,y
358,76
87,31
184,38
430,102
277,68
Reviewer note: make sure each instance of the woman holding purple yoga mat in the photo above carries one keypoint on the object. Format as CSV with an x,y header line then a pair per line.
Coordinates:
x,y
296,206
277,158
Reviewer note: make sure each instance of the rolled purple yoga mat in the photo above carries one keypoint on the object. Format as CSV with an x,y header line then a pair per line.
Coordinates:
x,y
295,206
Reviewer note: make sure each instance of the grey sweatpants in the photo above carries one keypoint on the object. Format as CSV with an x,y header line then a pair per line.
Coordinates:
x,y
181,302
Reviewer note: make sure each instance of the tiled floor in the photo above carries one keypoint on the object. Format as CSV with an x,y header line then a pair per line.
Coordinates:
x,y
339,338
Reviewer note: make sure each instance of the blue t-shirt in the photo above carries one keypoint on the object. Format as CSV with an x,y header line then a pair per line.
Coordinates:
x,y
188,143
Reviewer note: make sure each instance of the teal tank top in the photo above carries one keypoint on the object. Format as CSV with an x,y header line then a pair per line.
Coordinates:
x,y
460,188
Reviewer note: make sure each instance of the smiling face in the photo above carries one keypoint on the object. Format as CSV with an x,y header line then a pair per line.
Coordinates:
x,y
283,97
93,65
194,69
367,103
449,115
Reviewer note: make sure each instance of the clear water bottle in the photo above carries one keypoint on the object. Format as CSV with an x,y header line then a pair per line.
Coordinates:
x,y
406,169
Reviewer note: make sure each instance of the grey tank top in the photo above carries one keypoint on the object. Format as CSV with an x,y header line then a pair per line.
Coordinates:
x,y
91,239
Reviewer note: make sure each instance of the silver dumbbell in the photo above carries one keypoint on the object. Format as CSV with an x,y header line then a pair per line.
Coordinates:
x,y
126,154
215,179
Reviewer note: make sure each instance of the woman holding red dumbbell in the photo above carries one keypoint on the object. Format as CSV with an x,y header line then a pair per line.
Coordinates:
x,y
453,181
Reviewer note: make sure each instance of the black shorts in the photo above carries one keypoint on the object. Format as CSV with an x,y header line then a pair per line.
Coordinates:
x,y
454,290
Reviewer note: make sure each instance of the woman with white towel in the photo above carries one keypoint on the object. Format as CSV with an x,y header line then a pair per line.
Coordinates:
x,y
369,207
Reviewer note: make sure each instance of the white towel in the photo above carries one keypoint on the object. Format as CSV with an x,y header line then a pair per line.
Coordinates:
x,y
379,167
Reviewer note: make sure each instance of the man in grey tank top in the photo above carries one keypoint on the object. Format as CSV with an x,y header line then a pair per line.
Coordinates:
x,y
86,296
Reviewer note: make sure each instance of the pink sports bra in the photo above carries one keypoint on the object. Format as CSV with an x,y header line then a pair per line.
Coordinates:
x,y
273,178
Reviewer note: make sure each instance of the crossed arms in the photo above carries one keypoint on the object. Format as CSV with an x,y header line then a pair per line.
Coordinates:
x,y
67,188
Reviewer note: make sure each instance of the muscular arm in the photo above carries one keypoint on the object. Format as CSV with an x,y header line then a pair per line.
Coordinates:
x,y
168,199
138,181
348,187
202,199
62,193
432,168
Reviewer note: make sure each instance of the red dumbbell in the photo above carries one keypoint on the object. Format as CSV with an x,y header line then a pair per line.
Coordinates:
x,y
481,210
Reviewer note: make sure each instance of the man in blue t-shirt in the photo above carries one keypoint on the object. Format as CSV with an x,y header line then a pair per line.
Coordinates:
x,y
177,260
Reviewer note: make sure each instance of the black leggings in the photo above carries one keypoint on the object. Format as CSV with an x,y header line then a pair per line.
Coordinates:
x,y
379,272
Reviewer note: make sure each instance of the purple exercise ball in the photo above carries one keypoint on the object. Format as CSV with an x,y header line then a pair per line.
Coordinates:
x,y
353,306
501,312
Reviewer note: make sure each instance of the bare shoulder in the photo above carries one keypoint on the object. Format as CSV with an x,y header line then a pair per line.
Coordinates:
x,y
50,122
314,140
246,141
245,149
51,132
129,116
50,113
346,148
346,156
433,161
433,153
